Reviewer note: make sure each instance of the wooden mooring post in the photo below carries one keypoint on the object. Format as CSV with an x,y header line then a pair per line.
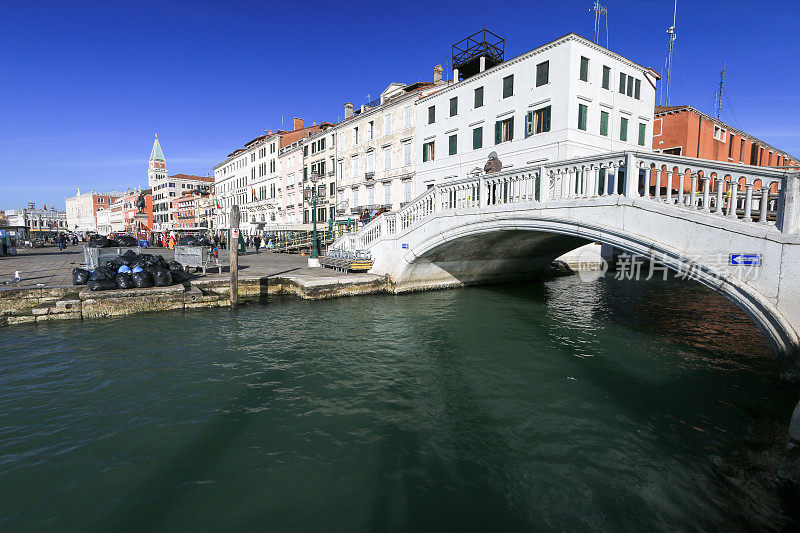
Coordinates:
x,y
233,254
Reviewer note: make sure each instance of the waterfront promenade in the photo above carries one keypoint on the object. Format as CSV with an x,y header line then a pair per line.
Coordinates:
x,y
48,267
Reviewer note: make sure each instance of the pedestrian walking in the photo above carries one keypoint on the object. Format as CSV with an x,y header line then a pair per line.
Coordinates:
x,y
257,242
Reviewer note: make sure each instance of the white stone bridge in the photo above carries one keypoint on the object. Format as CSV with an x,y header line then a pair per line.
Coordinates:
x,y
692,215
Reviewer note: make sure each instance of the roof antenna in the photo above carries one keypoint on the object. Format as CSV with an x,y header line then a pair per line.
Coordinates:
x,y
598,12
721,85
672,37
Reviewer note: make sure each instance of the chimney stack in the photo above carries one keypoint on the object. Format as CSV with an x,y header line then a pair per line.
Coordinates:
x,y
437,74
298,123
348,110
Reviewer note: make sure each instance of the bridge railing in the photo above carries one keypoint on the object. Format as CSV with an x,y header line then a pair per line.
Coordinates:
x,y
759,195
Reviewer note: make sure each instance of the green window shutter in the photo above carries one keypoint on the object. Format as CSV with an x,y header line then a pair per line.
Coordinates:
x,y
431,114
511,129
637,91
642,131
454,106
528,122
584,69
606,77
546,126
630,86
477,138
604,123
623,129
622,83
479,97
542,73
498,132
508,86
582,109
453,144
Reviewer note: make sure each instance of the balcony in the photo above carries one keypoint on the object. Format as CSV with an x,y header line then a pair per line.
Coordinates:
x,y
369,176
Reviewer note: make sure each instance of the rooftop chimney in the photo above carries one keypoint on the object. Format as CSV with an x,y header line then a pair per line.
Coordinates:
x,y
437,74
298,123
348,110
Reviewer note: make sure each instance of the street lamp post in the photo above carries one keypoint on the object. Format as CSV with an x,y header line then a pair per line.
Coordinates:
x,y
313,260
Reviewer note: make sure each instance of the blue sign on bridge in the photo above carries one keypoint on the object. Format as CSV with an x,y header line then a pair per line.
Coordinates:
x,y
745,259
405,246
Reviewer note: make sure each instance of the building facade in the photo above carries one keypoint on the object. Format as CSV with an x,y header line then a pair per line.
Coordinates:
x,y
39,222
290,191
319,159
137,225
683,130
375,150
568,98
186,211
82,210
251,177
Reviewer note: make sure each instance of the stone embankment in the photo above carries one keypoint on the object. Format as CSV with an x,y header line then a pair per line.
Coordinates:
x,y
38,304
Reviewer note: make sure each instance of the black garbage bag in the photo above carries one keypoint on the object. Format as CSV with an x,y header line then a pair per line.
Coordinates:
x,y
101,273
113,243
174,265
162,278
188,240
152,269
138,262
127,240
145,257
101,285
98,242
118,261
124,281
179,276
142,280
112,266
80,276
129,256
152,260
203,241
162,262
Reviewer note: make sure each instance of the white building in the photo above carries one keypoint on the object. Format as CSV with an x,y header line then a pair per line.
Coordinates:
x,y
38,221
82,209
166,188
251,178
568,98
375,152
290,189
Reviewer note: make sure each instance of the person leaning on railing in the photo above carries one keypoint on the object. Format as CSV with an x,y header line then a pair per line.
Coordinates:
x,y
493,164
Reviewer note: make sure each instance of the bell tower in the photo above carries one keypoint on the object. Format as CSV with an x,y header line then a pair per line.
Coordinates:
x,y
157,169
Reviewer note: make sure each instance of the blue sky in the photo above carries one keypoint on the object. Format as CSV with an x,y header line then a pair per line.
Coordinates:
x,y
85,85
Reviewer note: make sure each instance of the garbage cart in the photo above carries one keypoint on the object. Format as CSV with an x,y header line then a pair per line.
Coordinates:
x,y
197,256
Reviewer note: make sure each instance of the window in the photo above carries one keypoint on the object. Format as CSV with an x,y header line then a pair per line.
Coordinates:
x,y
454,106
637,90
630,86
387,194
622,83
333,188
371,129
623,129
582,112
387,124
407,191
542,73
407,116
370,195
387,158
504,130
478,97
741,150
642,130
508,86
730,147
719,133
452,145
431,114
477,138
584,69
604,123
371,162
606,77
537,121
427,151
355,135
354,168
355,197
407,154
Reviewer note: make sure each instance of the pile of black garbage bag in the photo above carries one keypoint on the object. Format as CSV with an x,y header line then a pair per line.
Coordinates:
x,y
191,240
131,270
98,241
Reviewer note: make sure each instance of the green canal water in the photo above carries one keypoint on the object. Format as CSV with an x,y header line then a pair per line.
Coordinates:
x,y
554,405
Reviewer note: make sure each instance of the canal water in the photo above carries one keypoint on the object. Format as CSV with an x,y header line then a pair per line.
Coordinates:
x,y
554,405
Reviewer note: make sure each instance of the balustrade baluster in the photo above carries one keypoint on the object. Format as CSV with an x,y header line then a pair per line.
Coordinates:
x,y
720,191
763,205
670,175
681,184
657,192
706,193
748,202
733,199
693,193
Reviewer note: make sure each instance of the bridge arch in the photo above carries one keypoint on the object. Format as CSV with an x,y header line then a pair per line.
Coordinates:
x,y
502,248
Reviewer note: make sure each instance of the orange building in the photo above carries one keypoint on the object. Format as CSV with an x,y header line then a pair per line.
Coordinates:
x,y
129,209
683,130
185,211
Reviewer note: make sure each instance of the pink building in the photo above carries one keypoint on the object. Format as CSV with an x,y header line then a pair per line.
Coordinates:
x,y
290,193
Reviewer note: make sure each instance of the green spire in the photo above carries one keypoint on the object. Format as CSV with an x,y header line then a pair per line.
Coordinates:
x,y
156,153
